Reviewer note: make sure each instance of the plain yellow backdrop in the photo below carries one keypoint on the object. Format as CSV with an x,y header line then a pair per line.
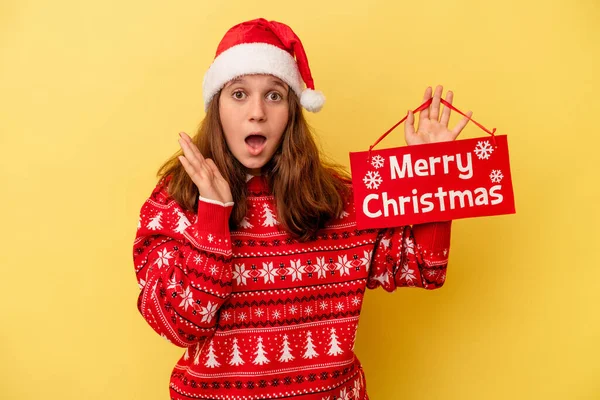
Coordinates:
x,y
93,95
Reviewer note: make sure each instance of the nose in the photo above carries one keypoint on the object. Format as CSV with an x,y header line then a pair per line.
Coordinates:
x,y
257,109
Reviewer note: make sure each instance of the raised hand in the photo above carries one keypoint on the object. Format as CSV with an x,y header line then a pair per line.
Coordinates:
x,y
431,128
203,171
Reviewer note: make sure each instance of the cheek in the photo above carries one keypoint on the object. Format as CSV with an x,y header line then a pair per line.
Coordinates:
x,y
224,113
281,118
229,136
228,121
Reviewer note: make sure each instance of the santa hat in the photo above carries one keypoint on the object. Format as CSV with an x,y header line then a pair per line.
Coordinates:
x,y
262,47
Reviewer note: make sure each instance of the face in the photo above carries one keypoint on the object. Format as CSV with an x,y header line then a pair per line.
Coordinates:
x,y
254,113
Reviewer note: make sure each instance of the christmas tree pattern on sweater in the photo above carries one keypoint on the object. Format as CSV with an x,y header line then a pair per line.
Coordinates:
x,y
259,314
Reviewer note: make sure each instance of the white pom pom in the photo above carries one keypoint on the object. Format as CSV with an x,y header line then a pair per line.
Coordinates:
x,y
312,100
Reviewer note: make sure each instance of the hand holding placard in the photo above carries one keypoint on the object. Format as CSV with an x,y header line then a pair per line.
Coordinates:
x,y
430,130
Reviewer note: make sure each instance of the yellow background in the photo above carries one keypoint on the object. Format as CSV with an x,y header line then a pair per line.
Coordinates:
x,y
93,95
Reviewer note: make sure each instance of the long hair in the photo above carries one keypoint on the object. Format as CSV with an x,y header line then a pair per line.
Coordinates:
x,y
309,189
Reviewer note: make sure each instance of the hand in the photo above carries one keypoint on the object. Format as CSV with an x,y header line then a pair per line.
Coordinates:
x,y
431,130
203,171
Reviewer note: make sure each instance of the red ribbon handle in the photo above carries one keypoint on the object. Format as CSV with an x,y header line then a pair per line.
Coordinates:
x,y
421,108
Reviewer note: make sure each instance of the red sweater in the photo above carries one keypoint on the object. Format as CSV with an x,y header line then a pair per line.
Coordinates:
x,y
261,315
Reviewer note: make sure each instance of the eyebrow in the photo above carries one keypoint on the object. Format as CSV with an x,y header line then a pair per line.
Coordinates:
x,y
242,80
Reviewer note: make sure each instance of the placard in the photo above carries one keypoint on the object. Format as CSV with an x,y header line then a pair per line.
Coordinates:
x,y
432,182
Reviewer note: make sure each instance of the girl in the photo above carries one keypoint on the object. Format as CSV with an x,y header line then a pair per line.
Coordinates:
x,y
247,252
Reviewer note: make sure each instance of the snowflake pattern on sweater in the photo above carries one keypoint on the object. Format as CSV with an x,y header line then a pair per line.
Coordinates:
x,y
260,314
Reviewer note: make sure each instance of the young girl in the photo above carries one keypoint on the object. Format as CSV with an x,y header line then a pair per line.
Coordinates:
x,y
247,252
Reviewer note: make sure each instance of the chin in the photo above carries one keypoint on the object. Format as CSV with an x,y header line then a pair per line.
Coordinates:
x,y
254,165
254,162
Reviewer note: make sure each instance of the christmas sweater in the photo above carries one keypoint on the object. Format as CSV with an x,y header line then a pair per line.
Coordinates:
x,y
259,314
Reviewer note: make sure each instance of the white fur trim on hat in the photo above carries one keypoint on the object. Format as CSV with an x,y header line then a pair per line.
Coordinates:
x,y
251,58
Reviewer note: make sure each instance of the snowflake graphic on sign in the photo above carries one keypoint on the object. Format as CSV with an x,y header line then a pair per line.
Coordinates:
x,y
372,180
496,176
483,150
377,161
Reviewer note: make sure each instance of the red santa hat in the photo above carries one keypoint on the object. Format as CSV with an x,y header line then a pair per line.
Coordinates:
x,y
262,47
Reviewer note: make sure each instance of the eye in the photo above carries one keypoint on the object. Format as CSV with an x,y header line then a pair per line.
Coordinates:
x,y
235,95
275,96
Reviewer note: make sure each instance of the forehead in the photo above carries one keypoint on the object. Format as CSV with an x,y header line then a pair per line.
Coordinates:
x,y
268,79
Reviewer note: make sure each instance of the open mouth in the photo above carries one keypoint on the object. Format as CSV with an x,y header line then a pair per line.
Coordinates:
x,y
256,143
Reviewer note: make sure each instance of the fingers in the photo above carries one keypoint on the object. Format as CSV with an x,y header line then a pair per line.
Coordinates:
x,y
213,167
191,171
446,112
461,124
189,148
191,145
197,164
425,113
409,128
434,114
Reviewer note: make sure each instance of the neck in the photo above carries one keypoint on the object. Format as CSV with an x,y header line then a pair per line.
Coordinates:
x,y
254,172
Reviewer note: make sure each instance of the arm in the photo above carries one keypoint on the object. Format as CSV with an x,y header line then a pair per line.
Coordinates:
x,y
183,269
414,256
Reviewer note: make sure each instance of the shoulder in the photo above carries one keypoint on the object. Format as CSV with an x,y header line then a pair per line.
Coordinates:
x,y
161,214
160,193
346,180
346,185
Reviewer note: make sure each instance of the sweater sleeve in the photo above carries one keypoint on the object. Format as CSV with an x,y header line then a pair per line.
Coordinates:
x,y
183,268
414,256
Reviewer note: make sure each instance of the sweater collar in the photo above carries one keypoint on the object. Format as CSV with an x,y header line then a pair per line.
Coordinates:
x,y
257,183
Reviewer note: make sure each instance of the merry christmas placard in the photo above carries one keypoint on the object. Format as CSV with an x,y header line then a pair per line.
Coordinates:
x,y
432,182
